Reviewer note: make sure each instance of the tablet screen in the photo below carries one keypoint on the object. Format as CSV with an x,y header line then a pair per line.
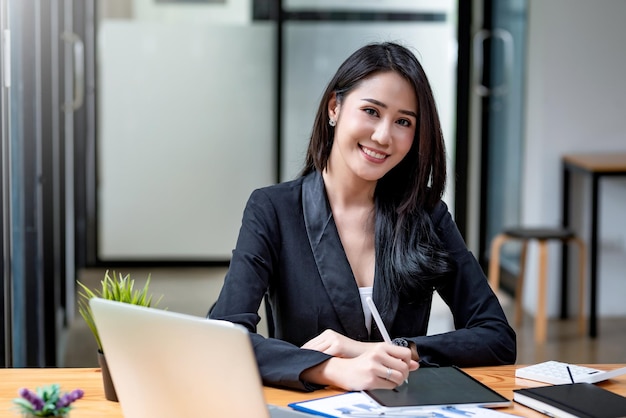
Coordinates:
x,y
439,386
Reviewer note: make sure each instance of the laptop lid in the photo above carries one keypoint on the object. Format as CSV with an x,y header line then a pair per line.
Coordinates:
x,y
167,364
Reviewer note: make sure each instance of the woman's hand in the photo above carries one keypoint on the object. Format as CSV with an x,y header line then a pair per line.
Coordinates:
x,y
381,366
335,344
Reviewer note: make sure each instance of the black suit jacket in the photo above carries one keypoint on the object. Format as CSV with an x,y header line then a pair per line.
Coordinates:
x,y
289,248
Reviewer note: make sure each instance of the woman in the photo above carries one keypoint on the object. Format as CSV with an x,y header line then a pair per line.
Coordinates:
x,y
365,218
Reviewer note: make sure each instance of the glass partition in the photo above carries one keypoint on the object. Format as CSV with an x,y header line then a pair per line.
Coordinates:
x,y
505,126
198,103
186,105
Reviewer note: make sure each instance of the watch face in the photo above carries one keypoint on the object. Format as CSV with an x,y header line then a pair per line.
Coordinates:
x,y
401,342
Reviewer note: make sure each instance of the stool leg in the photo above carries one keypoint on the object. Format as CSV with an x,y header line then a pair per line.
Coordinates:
x,y
540,318
494,261
582,267
519,286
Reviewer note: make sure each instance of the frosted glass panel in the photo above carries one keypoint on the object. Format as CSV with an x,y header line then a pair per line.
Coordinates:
x,y
185,117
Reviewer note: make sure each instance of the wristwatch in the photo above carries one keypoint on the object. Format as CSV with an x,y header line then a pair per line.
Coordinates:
x,y
403,342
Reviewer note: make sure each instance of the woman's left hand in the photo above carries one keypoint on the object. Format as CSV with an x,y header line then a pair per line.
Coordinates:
x,y
335,344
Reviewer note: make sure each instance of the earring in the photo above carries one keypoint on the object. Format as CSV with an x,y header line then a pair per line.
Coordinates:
x,y
332,122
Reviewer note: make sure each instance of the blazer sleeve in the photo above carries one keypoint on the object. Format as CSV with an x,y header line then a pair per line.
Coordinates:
x,y
482,335
252,269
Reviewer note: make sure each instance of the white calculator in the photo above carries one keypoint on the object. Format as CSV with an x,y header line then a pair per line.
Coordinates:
x,y
556,372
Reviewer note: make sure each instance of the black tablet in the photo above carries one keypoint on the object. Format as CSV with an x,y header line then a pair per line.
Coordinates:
x,y
439,386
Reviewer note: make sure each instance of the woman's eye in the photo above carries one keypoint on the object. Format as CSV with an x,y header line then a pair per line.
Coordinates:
x,y
370,111
404,122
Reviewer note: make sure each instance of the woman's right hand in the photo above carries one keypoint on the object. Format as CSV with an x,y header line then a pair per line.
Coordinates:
x,y
381,366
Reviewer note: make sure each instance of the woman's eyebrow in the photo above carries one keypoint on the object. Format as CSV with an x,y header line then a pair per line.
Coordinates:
x,y
381,104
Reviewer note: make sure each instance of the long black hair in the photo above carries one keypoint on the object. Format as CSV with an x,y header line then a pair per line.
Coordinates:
x,y
409,254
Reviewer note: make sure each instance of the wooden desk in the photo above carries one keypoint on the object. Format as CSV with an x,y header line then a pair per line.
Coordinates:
x,y
93,404
596,166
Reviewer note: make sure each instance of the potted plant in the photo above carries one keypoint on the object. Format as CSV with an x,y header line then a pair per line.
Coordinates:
x,y
121,289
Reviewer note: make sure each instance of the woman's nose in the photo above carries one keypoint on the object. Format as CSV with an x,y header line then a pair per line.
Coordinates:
x,y
382,133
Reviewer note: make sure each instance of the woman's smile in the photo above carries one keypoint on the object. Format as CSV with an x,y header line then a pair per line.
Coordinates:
x,y
373,155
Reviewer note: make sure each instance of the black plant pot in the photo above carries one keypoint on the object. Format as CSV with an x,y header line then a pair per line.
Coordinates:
x,y
109,389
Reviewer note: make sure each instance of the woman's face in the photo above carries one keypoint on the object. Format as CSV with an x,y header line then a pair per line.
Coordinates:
x,y
376,123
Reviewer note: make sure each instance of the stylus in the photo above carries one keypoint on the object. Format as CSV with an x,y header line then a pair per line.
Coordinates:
x,y
380,324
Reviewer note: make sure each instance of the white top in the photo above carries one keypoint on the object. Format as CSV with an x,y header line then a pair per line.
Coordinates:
x,y
365,293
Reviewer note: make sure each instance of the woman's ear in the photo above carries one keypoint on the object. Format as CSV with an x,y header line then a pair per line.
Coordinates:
x,y
333,107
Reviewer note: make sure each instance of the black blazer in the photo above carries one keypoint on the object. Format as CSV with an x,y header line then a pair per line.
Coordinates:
x,y
289,249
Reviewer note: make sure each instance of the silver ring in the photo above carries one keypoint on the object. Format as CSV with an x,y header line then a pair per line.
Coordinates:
x,y
388,373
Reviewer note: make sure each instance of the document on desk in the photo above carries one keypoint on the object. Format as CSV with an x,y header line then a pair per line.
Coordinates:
x,y
359,405
440,390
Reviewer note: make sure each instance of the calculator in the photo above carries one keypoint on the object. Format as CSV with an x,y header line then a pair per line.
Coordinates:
x,y
557,373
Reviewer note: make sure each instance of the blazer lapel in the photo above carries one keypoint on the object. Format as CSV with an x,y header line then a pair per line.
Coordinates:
x,y
331,260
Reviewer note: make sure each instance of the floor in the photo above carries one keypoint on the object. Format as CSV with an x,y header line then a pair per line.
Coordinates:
x,y
193,290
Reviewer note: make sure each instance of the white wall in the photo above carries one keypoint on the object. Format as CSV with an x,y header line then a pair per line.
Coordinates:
x,y
576,102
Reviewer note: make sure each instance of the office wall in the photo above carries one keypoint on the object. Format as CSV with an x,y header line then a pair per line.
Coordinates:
x,y
576,102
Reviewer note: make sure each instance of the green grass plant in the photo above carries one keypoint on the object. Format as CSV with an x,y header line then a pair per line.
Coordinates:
x,y
121,289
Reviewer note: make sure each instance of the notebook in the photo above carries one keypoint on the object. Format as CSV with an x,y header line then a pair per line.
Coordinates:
x,y
167,364
583,400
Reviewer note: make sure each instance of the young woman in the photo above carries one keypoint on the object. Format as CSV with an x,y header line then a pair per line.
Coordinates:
x,y
365,218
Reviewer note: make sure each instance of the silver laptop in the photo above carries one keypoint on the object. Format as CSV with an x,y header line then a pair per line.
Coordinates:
x,y
167,364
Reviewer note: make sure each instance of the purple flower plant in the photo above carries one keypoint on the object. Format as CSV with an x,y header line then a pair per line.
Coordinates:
x,y
47,401
66,399
32,397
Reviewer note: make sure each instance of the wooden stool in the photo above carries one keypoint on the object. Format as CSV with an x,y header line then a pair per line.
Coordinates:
x,y
542,236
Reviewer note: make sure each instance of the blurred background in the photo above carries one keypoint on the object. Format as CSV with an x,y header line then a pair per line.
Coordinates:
x,y
133,132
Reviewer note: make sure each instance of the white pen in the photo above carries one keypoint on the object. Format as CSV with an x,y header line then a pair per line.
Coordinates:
x,y
379,320
380,324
